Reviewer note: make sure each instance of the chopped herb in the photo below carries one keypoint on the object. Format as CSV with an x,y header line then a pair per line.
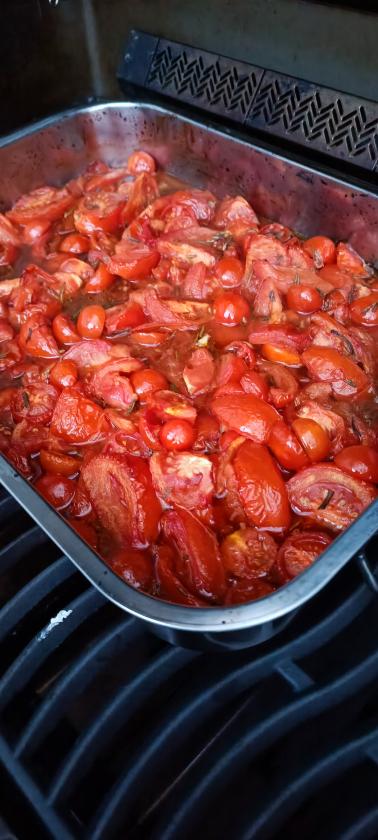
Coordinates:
x,y
25,399
272,296
351,383
347,344
326,500
372,308
29,335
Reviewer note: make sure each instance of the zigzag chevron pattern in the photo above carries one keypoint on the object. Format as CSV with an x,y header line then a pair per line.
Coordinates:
x,y
213,82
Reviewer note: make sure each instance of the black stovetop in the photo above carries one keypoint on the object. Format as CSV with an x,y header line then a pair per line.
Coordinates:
x,y
106,731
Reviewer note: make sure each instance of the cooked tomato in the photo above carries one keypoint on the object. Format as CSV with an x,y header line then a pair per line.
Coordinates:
x,y
75,418
34,402
284,355
177,434
74,243
170,586
303,298
248,553
364,310
133,261
58,462
141,162
199,371
123,317
229,271
360,461
299,551
183,478
231,309
322,250
98,211
313,437
242,591
146,381
286,447
199,564
91,321
56,489
328,365
42,205
64,330
135,567
261,488
348,260
284,386
64,374
253,383
329,496
36,339
101,280
246,414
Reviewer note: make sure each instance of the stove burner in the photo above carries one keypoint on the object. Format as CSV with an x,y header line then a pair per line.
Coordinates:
x,y
106,731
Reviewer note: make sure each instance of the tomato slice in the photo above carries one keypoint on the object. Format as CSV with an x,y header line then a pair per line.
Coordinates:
x,y
98,210
121,492
281,335
360,461
261,488
75,418
140,162
246,414
34,402
42,205
248,553
182,478
199,564
123,317
299,551
313,437
329,496
328,365
348,260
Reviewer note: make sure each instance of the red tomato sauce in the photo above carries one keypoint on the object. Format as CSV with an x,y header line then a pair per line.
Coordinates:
x,y
191,387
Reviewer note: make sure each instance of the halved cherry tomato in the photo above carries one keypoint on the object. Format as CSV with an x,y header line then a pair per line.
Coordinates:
x,y
101,280
64,374
230,368
328,365
56,489
284,386
364,310
141,162
98,211
287,448
348,260
231,309
253,383
261,488
36,339
183,478
313,438
284,355
42,205
246,414
299,551
34,402
322,249
123,317
58,462
304,298
199,564
75,418
133,566
146,381
91,321
74,243
229,271
359,461
177,434
248,553
171,587
133,261
328,495
64,330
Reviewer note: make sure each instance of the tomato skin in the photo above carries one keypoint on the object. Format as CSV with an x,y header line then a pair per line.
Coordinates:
x,y
120,318
64,374
328,365
248,553
146,381
359,461
171,587
261,488
101,280
253,383
231,309
141,162
57,490
74,243
364,310
91,321
243,591
328,495
287,448
75,418
229,271
177,435
284,355
36,339
86,531
199,563
58,463
44,204
304,298
299,551
133,261
64,330
322,249
98,211
246,414
348,260
313,438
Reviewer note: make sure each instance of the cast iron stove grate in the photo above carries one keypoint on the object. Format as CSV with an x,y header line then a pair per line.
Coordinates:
x,y
107,731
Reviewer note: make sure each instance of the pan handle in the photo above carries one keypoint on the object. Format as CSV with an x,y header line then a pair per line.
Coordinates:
x,y
368,570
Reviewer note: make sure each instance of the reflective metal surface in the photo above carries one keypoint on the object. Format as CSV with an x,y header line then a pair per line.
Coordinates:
x,y
58,149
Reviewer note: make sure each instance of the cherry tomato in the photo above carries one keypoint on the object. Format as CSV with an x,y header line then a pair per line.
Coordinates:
x,y
123,317
101,280
58,462
147,381
322,249
133,261
141,162
248,553
64,374
261,488
328,365
74,243
42,205
229,271
36,339
64,330
75,418
304,298
231,309
98,211
364,310
328,495
287,449
230,368
313,438
199,564
91,321
246,414
253,383
34,402
359,461
56,489
276,353
299,551
177,434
